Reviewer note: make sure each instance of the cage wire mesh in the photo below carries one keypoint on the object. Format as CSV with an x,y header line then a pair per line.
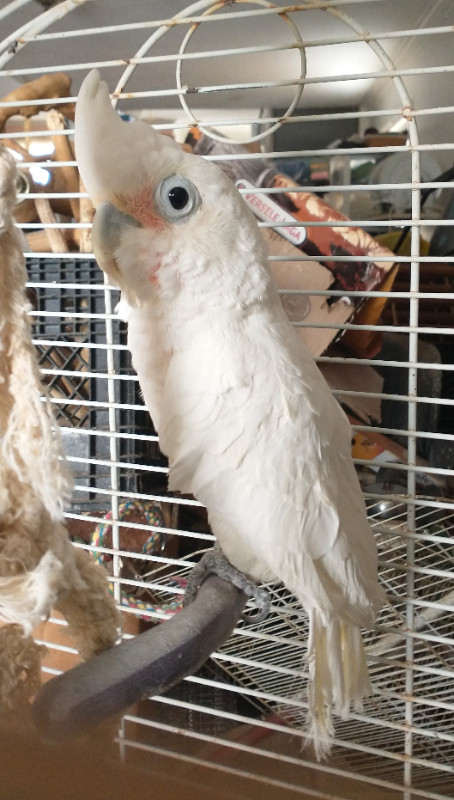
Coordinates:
x,y
358,108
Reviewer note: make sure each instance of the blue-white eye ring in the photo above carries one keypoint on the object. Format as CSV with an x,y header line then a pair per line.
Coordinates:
x,y
176,198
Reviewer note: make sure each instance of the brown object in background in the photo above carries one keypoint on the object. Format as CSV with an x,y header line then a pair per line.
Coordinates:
x,y
13,144
38,241
33,770
50,87
26,212
63,152
385,139
368,343
56,239
352,378
332,240
312,310
345,240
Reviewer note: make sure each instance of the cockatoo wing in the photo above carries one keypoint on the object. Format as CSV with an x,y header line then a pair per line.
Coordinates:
x,y
271,461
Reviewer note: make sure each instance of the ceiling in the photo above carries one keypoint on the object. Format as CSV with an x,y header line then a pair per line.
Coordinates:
x,y
327,66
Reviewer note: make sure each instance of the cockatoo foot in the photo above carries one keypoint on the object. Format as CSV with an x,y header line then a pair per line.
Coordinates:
x,y
214,561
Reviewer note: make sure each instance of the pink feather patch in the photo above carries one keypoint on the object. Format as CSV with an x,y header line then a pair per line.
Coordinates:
x,y
141,206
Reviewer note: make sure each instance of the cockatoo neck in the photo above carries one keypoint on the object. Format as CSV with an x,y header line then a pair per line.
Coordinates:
x,y
198,279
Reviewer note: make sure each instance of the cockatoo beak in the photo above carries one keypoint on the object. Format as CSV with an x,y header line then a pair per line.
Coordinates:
x,y
110,154
98,128
108,226
120,163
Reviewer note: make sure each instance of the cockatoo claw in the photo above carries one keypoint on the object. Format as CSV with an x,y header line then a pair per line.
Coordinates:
x,y
214,561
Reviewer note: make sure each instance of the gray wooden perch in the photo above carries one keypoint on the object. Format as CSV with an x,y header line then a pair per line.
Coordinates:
x,y
149,664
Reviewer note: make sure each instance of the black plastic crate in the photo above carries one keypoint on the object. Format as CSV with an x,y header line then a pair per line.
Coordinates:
x,y
73,395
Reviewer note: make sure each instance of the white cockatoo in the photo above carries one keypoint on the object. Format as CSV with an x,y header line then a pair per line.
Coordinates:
x,y
243,414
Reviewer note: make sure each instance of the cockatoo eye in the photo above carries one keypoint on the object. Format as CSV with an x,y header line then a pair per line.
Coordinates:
x,y
176,198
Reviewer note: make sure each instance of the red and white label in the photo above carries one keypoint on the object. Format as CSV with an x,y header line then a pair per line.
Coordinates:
x,y
267,210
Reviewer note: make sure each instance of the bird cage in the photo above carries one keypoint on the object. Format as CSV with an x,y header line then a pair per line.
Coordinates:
x,y
336,120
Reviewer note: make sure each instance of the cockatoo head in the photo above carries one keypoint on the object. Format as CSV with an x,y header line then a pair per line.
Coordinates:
x,y
162,214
